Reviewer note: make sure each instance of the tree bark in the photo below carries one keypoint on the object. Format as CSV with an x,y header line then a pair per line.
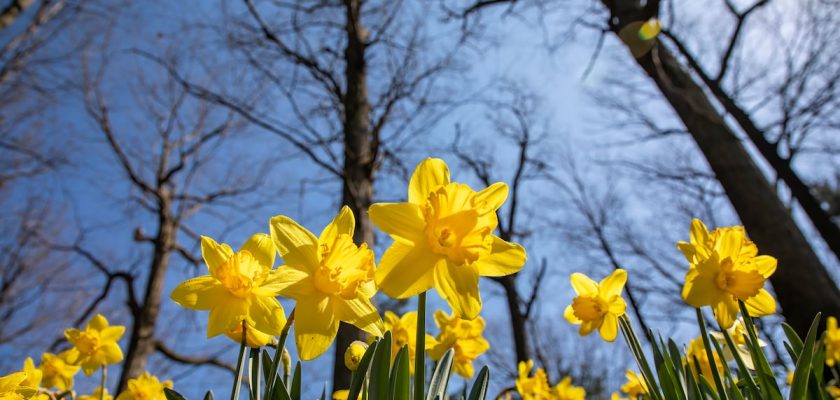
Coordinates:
x,y
803,286
518,319
359,157
141,343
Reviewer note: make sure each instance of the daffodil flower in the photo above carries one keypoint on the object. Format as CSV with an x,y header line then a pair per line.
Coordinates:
x,y
443,238
354,353
564,390
532,387
145,387
725,268
97,395
697,351
95,346
597,305
462,335
403,333
33,375
329,277
635,385
738,333
241,287
832,342
57,371
12,387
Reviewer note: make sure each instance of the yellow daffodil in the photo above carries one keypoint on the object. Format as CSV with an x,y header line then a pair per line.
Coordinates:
x,y
725,268
330,278
635,385
12,387
564,390
463,335
241,287
697,351
253,337
443,238
617,396
532,387
738,333
33,375
95,346
832,342
145,387
789,379
597,305
341,394
354,353
833,391
403,333
57,371
97,395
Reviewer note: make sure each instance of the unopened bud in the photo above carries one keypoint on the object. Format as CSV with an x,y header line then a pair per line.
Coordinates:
x,y
286,359
353,355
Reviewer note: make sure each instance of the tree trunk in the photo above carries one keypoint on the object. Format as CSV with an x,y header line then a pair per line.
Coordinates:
x,y
803,286
359,155
518,319
142,341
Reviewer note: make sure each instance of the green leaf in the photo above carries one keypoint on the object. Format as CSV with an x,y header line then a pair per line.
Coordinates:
x,y
254,368
793,339
266,365
380,368
440,376
359,374
742,366
710,354
482,382
803,365
401,376
294,392
172,395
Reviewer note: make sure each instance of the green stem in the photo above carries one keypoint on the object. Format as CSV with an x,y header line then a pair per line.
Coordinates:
x,y
102,383
278,354
234,395
420,349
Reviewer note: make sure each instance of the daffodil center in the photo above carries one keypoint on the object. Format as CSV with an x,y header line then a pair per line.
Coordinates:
x,y
458,225
88,342
589,308
241,273
344,268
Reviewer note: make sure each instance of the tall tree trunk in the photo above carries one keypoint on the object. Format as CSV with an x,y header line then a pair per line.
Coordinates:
x,y
359,156
803,286
518,319
142,342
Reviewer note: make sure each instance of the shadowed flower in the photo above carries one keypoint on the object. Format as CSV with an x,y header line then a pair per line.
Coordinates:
x,y
354,353
696,354
597,305
832,342
403,333
566,391
532,387
635,385
95,346
97,395
443,238
33,375
738,333
12,387
145,387
57,371
253,337
341,394
241,287
463,335
725,267
330,278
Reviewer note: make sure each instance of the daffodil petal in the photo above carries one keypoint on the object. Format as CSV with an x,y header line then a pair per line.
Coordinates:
x,y
296,245
725,312
112,333
10,382
214,254
699,289
687,249
98,322
762,304
699,237
491,198
583,285
225,314
613,284
505,258
262,248
569,315
428,176
111,353
729,244
290,281
402,221
343,223
617,306
315,327
609,328
458,285
359,312
199,293
406,271
266,315
765,265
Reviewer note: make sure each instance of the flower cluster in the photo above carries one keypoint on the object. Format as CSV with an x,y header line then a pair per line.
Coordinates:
x,y
93,348
536,386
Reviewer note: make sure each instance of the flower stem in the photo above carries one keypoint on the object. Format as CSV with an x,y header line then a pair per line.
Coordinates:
x,y
234,395
278,354
420,349
102,383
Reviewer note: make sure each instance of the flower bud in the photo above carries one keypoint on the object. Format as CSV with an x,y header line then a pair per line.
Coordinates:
x,y
354,353
286,359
